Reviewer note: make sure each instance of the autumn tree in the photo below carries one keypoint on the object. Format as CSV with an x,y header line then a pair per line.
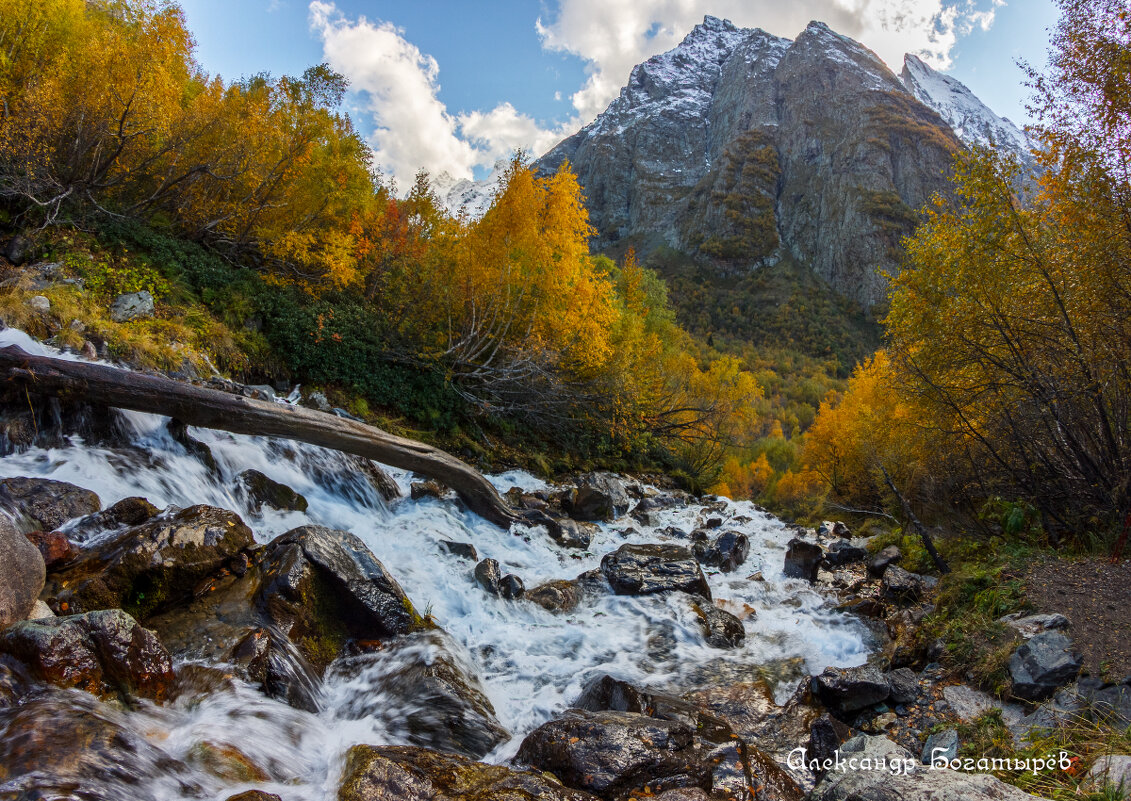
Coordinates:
x,y
1013,321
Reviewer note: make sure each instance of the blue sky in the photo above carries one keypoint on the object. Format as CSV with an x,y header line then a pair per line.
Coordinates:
x,y
451,85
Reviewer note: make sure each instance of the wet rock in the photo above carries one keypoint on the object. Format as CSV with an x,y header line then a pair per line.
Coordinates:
x,y
850,689
225,762
1041,665
803,559
46,503
900,585
132,306
720,628
511,587
262,491
842,553
600,496
727,552
1030,625
464,550
1110,774
423,690
426,489
489,576
612,754
101,652
556,596
826,733
148,567
649,569
407,773
879,563
570,533
54,547
21,574
322,586
378,478
941,746
193,447
254,795
126,512
58,743
903,685
1110,703
841,530
913,781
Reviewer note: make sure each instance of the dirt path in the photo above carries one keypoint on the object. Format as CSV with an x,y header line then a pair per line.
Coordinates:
x,y
1095,596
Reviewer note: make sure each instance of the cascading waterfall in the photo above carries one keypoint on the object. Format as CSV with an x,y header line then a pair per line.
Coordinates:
x,y
532,663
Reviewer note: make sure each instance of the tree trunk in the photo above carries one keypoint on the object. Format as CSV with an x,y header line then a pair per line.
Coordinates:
x,y
209,408
928,543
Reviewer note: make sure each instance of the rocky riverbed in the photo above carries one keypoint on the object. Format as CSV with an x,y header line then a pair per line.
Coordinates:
x,y
231,617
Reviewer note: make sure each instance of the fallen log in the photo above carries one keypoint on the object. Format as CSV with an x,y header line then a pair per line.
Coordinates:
x,y
210,408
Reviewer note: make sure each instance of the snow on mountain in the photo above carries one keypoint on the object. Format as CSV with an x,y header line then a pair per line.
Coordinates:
x,y
970,118
464,195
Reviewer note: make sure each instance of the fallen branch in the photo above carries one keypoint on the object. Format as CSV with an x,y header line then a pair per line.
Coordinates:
x,y
209,408
928,543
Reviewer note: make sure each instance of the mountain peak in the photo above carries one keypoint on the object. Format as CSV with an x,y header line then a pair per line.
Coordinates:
x,y
970,118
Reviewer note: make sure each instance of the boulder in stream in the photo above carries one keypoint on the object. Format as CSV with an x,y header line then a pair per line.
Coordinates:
x,y
599,496
803,559
152,566
850,689
649,569
407,773
424,691
102,652
727,551
47,504
262,491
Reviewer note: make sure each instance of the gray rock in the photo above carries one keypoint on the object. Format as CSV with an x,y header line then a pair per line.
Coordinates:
x,y
904,777
904,685
47,504
1111,771
1041,665
132,306
649,569
803,559
21,574
39,303
850,689
1030,625
941,746
900,585
319,401
40,611
879,563
843,552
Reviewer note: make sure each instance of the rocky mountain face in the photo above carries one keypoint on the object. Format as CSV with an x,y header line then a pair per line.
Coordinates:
x,y
742,148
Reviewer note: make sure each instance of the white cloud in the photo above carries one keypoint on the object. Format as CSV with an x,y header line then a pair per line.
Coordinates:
x,y
612,36
398,88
